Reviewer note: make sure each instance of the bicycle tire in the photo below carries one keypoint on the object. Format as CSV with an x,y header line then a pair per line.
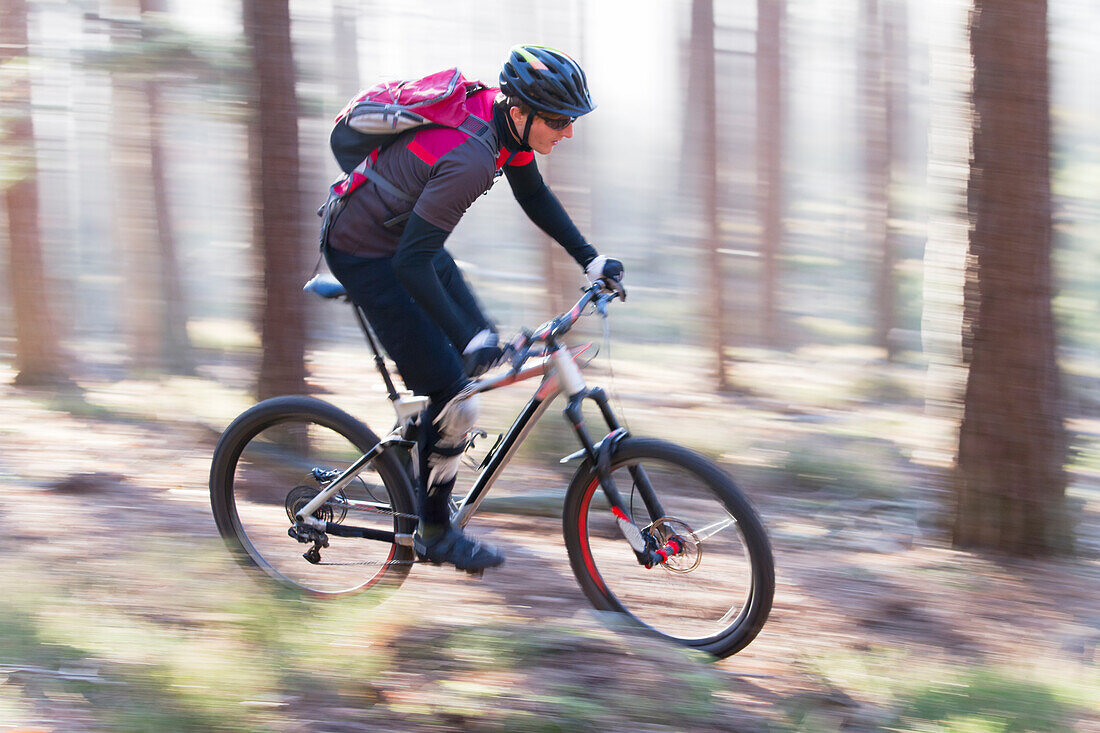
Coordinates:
x,y
252,472
687,605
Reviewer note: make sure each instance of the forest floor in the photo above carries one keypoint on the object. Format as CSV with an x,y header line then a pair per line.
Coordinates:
x,y
122,611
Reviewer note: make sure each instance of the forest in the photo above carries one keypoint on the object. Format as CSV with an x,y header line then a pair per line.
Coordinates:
x,y
860,243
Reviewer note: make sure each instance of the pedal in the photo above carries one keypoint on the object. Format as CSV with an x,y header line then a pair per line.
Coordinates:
x,y
470,439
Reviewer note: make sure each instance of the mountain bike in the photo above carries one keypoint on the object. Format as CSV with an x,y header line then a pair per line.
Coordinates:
x,y
653,531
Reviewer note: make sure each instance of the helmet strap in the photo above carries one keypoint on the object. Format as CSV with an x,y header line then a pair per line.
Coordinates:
x,y
526,128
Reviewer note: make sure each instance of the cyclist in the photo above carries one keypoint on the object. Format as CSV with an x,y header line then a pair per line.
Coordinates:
x,y
390,256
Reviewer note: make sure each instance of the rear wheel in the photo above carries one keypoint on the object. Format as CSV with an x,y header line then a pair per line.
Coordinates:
x,y
716,594
278,455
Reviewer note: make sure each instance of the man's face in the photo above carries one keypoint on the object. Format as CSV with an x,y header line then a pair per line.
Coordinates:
x,y
543,137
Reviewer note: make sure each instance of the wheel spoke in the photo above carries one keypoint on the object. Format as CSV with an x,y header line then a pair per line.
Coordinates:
x,y
715,591
712,529
279,463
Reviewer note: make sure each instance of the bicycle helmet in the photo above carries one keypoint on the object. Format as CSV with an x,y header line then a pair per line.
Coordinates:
x,y
547,80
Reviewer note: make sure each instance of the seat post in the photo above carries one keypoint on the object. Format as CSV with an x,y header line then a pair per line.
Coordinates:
x,y
378,360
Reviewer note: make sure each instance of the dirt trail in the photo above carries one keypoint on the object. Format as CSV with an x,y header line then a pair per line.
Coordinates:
x,y
855,581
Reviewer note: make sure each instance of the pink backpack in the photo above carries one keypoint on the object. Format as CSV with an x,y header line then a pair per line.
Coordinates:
x,y
377,116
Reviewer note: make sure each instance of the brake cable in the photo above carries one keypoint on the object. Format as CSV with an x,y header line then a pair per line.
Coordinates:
x,y
611,366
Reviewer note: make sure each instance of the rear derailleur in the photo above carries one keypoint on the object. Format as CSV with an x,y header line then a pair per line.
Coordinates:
x,y
306,534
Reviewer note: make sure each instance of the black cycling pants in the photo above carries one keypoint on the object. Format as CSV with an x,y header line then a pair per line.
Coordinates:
x,y
427,361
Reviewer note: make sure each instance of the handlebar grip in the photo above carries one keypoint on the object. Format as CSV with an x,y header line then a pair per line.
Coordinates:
x,y
613,286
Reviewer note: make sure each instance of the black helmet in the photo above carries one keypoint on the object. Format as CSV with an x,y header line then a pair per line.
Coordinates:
x,y
547,80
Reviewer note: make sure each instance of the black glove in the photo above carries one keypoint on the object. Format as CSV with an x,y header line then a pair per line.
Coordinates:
x,y
610,271
482,353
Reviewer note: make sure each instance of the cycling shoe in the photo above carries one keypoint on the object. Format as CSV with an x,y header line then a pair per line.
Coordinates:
x,y
455,548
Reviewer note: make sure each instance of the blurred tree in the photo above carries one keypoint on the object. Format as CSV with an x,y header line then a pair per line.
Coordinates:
x,y
277,224
147,55
345,41
566,173
134,229
559,270
156,320
703,102
38,355
769,160
1010,482
895,43
176,346
874,134
882,46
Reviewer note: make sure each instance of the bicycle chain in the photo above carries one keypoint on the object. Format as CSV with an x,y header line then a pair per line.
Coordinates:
x,y
373,562
374,510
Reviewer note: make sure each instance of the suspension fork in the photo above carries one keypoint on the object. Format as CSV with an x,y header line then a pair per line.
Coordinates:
x,y
600,456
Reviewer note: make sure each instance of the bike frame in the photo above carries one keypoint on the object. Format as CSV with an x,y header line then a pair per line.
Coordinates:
x,y
560,373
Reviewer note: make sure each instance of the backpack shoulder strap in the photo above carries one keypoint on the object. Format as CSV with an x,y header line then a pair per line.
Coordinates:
x,y
478,128
385,185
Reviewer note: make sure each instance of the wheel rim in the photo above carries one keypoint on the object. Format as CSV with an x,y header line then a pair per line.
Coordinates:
x,y
281,466
703,595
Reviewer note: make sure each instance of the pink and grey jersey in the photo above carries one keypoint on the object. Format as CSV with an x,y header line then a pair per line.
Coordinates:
x,y
442,169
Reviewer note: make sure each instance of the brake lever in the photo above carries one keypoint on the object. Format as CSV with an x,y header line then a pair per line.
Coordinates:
x,y
520,348
606,297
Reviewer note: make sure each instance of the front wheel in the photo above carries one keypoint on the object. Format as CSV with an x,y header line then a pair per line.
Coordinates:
x,y
715,595
278,455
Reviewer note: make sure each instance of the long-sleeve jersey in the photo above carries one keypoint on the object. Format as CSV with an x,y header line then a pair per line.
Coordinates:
x,y
444,171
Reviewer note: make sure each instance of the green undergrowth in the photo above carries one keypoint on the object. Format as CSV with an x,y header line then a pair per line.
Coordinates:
x,y
176,641
896,689
176,638
986,699
525,676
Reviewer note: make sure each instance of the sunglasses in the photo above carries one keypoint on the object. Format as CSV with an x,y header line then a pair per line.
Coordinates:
x,y
558,123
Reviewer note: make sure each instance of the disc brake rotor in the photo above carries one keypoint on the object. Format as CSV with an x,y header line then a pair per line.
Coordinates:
x,y
334,510
690,556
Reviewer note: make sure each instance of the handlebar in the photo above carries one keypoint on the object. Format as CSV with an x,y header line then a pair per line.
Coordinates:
x,y
598,293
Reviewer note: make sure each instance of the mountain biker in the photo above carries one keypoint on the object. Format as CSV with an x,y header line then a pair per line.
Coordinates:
x,y
398,271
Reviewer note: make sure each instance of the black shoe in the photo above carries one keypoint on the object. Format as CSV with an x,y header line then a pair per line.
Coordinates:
x,y
453,547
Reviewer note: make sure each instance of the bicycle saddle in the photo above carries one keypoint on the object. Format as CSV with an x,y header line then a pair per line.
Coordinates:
x,y
326,286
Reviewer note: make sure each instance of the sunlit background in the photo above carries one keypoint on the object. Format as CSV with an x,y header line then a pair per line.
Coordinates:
x,y
796,253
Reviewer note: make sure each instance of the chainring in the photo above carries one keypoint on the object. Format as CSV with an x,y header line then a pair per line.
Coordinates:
x,y
334,510
689,558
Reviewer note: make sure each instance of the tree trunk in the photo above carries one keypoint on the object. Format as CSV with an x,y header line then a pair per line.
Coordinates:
x,y
876,167
769,160
703,94
559,270
345,41
896,95
38,355
175,344
135,226
1010,483
277,201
